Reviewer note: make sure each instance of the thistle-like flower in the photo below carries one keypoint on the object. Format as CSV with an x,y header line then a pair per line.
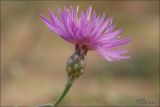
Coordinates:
x,y
86,32
91,32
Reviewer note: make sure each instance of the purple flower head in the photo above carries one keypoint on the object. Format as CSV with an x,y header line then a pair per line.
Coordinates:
x,y
90,31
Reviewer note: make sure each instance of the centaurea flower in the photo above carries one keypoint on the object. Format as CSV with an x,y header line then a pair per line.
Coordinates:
x,y
87,32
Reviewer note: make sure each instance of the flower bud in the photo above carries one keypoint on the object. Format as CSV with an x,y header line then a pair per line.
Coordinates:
x,y
76,63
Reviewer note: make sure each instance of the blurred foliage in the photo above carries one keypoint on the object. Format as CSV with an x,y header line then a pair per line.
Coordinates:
x,y
33,58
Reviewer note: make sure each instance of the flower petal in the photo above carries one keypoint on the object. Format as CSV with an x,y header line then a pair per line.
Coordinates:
x,y
88,13
114,43
111,35
104,55
105,24
50,24
110,55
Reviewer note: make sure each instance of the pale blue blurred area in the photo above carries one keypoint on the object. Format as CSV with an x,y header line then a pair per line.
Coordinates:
x,y
33,58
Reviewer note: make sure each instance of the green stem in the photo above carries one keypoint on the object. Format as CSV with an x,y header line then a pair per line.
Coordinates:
x,y
66,89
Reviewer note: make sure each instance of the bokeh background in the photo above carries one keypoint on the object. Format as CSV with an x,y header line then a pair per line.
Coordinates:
x,y
33,59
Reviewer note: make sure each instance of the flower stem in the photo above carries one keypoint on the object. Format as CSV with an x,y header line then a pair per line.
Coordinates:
x,y
66,89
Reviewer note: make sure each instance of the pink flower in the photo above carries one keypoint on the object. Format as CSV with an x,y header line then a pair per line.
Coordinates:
x,y
90,31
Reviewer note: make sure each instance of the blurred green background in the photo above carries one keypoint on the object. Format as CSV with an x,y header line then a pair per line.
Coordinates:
x,y
33,59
